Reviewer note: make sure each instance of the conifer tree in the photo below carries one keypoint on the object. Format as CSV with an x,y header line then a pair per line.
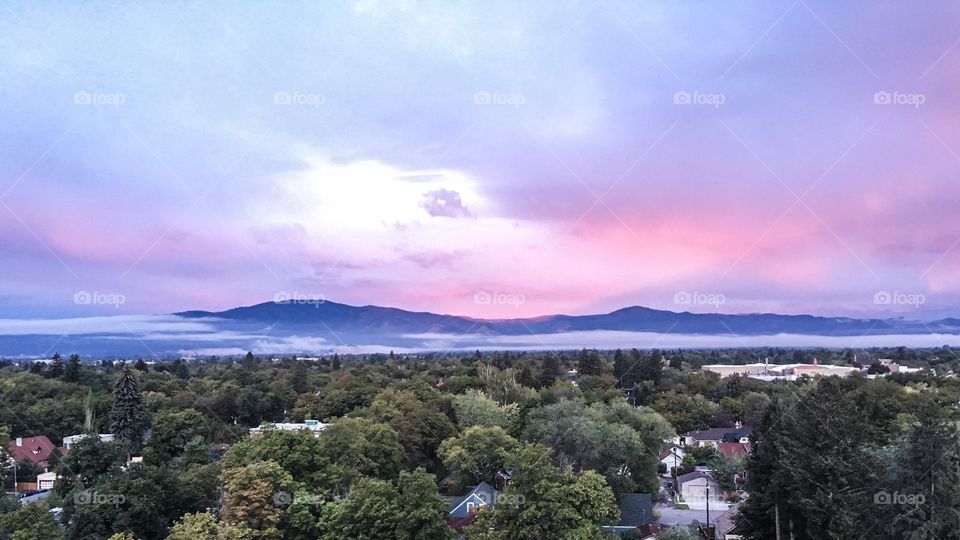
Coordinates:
x,y
127,415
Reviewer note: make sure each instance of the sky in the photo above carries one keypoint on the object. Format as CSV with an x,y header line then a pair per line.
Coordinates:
x,y
489,159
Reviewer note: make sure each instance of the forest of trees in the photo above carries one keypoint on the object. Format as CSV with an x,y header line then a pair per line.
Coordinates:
x,y
407,430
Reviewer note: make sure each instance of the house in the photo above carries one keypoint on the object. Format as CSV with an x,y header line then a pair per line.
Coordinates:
x,y
725,526
46,480
636,510
71,440
733,450
672,458
771,372
728,370
313,426
698,489
463,509
714,436
894,367
35,449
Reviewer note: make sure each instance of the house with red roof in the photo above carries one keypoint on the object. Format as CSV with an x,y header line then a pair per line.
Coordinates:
x,y
34,449
731,450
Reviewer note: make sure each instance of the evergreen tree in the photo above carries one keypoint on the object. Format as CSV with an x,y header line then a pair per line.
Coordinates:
x,y
619,367
551,370
127,415
589,363
298,376
180,369
335,363
526,377
249,361
141,365
72,372
651,368
56,367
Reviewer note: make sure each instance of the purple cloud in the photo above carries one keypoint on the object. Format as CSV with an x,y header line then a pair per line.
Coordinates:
x,y
444,203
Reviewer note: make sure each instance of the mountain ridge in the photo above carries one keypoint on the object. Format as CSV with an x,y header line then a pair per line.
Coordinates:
x,y
335,316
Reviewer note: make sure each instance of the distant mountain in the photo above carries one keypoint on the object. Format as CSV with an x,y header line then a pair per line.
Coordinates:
x,y
334,317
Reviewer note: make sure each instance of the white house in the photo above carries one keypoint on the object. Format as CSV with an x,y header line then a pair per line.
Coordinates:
x,y
714,436
313,426
46,480
694,490
671,458
70,440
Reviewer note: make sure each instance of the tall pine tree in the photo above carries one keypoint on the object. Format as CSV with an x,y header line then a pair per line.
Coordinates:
x,y
127,415
72,372
589,363
56,367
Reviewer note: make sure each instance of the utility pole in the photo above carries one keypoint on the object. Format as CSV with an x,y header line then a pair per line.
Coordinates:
x,y
776,518
708,501
13,464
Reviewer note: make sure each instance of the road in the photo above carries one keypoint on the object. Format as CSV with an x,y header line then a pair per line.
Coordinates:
x,y
669,515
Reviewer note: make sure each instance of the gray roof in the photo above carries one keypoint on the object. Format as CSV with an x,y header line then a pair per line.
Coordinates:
x,y
724,522
690,476
636,509
483,490
717,434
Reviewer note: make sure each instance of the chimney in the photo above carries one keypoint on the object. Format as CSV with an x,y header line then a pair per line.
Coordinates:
x,y
19,441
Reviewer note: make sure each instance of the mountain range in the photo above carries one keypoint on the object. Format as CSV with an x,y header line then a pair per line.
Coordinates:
x,y
323,327
377,320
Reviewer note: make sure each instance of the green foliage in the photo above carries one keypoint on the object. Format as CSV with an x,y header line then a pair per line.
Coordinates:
x,y
419,424
88,460
541,502
478,453
610,439
823,447
127,415
503,386
827,459
360,447
589,363
474,408
684,411
71,373
196,526
303,456
250,498
172,431
677,532
410,508
29,522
